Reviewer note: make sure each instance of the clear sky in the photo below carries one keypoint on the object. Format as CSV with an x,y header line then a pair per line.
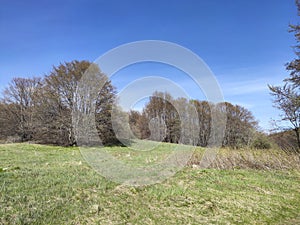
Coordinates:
x,y
245,43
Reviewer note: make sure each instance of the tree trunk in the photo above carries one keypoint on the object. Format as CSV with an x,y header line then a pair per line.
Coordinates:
x,y
298,138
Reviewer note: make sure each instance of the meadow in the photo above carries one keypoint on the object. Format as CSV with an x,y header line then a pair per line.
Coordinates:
x,y
55,185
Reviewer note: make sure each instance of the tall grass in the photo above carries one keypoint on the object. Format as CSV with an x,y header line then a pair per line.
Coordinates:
x,y
248,158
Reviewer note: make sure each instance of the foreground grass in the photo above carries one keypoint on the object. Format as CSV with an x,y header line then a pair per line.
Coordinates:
x,y
53,185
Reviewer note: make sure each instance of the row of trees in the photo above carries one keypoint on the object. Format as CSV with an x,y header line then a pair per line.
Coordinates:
x,y
42,109
191,122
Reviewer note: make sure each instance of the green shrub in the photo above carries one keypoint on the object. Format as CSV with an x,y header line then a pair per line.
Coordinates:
x,y
261,142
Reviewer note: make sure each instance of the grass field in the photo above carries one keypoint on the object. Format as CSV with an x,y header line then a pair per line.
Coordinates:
x,y
54,185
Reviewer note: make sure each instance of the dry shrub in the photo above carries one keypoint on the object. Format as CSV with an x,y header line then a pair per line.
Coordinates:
x,y
13,139
286,140
250,159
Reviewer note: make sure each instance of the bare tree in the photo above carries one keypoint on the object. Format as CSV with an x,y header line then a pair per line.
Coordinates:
x,y
204,114
240,127
57,99
9,122
288,101
287,97
18,103
190,122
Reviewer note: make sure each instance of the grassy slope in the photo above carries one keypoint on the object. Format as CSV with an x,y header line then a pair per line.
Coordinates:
x,y
53,185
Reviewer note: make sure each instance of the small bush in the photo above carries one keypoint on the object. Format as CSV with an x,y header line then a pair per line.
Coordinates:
x,y
13,139
261,142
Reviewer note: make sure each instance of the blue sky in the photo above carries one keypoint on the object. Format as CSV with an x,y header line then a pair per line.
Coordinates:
x,y
245,43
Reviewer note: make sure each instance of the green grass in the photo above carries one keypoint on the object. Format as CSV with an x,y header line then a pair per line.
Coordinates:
x,y
54,185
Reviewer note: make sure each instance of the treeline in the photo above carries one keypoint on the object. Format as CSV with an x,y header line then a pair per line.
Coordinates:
x,y
168,117
40,109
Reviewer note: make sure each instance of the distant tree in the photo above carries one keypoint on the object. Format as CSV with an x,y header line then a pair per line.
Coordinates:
x,y
143,125
204,115
186,125
17,107
57,99
104,108
134,118
163,118
154,112
9,121
240,126
287,97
